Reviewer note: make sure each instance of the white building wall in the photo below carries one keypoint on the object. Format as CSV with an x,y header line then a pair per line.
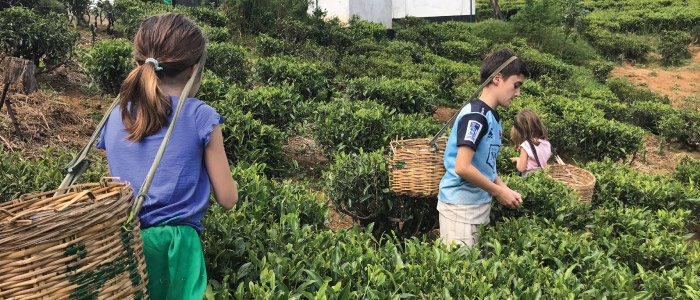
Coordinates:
x,y
432,8
372,10
334,8
383,11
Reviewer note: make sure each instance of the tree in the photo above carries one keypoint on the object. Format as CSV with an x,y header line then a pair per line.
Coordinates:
x,y
496,9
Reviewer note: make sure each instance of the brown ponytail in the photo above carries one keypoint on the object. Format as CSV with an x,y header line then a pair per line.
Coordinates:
x,y
177,44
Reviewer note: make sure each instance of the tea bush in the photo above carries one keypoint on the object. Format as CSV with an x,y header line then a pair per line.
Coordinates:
x,y
343,126
474,50
683,126
213,88
309,78
47,41
405,96
688,171
43,173
674,47
216,34
617,45
279,106
627,92
266,45
108,63
248,140
227,60
601,70
621,186
357,185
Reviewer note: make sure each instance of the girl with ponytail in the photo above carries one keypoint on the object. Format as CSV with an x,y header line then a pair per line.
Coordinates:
x,y
167,49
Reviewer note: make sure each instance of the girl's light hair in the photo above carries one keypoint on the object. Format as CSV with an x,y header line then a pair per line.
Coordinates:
x,y
527,124
177,44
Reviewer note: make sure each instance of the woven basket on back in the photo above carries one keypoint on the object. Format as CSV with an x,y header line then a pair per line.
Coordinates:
x,y
580,180
72,246
416,168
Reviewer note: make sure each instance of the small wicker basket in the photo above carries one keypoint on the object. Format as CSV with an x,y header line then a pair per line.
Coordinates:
x,y
416,168
580,180
72,246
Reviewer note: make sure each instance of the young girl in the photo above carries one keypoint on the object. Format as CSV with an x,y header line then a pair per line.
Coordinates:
x,y
167,48
530,136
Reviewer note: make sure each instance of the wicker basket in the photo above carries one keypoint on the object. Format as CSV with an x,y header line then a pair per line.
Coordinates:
x,y
580,180
416,168
72,246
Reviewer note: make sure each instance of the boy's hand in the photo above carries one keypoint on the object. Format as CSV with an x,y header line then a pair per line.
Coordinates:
x,y
509,198
514,159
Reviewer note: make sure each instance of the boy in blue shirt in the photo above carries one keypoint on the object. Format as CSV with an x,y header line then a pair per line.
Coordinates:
x,y
470,182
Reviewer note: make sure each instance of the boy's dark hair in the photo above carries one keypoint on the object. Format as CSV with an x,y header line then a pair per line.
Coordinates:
x,y
496,59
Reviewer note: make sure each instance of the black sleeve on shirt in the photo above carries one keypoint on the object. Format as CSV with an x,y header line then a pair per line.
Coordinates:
x,y
470,129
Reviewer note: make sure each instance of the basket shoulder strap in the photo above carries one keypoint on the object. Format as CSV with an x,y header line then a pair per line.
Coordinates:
x,y
76,167
534,152
473,96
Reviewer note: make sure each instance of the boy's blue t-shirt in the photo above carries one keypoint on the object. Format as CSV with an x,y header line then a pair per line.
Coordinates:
x,y
479,127
179,193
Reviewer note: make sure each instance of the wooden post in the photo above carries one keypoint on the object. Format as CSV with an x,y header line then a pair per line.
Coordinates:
x,y
16,68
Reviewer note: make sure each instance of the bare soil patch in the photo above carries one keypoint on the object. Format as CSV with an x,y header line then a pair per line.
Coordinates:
x,y
678,83
443,114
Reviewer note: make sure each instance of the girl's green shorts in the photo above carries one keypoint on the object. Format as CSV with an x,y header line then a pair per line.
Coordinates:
x,y
174,262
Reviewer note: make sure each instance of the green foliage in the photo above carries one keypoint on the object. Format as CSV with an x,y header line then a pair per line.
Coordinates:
x,y
627,92
539,64
503,164
674,47
362,29
108,63
495,31
258,223
683,125
130,13
204,15
43,173
621,186
357,186
266,45
256,16
279,106
343,126
542,196
412,126
404,96
44,7
649,114
213,88
474,50
310,79
227,60
619,46
688,171
78,9
216,34
248,140
601,70
46,41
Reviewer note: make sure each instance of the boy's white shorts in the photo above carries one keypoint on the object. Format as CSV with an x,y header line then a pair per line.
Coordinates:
x,y
460,223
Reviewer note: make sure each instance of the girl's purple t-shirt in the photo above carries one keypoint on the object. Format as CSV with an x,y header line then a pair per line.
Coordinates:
x,y
179,193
